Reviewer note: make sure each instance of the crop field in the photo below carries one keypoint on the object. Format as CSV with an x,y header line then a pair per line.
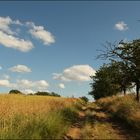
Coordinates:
x,y
33,117
48,117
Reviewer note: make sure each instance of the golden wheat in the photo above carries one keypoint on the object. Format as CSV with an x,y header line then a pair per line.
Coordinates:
x,y
28,107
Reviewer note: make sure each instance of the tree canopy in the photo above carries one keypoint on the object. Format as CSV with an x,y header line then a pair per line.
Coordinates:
x,y
47,93
103,83
15,91
127,55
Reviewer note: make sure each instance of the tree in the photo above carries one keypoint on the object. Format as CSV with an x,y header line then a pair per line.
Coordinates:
x,y
129,54
84,98
14,91
110,79
103,83
55,94
47,94
42,93
120,75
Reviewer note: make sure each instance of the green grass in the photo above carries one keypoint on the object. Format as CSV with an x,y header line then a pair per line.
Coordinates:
x,y
37,128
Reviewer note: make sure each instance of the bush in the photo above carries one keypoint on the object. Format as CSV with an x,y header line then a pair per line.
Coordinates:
x,y
14,91
84,98
47,94
70,114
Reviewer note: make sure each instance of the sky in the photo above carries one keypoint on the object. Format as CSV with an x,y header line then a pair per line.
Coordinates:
x,y
52,46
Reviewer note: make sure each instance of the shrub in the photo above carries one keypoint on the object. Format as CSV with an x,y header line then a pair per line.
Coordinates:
x,y
70,114
84,98
47,93
14,91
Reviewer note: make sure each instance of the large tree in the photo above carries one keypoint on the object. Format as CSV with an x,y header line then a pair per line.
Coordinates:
x,y
110,79
120,75
129,54
103,83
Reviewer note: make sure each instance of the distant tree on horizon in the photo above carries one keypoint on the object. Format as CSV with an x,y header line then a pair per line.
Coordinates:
x,y
15,91
84,98
43,93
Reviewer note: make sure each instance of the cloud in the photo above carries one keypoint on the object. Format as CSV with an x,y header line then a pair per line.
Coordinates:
x,y
0,67
5,76
20,69
14,42
61,85
75,73
17,22
5,23
42,84
28,84
121,26
7,83
27,91
40,33
24,83
8,38
4,83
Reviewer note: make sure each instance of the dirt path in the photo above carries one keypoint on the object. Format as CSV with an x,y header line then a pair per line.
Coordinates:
x,y
95,123
75,130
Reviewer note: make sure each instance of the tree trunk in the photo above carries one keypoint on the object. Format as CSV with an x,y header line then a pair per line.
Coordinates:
x,y
124,91
137,91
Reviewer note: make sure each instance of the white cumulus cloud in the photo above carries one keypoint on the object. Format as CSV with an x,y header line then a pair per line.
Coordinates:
x,y
9,36
61,85
14,42
24,83
75,73
27,91
4,83
20,69
121,26
28,84
5,23
7,83
39,32
42,84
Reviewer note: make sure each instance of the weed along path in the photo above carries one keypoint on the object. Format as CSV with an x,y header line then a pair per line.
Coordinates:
x,y
95,123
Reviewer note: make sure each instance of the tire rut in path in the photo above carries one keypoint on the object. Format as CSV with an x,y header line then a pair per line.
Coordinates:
x,y
95,115
75,130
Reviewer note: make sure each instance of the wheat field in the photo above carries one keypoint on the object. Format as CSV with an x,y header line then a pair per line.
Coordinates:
x,y
20,113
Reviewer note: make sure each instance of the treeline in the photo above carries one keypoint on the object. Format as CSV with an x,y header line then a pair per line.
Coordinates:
x,y
47,94
121,73
43,93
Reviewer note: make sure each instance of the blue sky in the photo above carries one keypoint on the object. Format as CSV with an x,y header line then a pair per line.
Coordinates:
x,y
51,46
